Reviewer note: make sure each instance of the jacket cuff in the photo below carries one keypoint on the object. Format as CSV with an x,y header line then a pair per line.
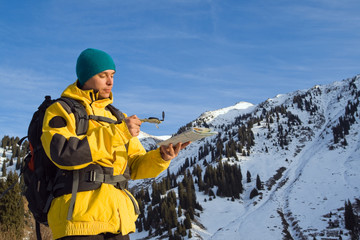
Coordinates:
x,y
159,159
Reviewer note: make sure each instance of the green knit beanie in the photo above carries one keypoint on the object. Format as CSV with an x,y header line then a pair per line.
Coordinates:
x,y
91,62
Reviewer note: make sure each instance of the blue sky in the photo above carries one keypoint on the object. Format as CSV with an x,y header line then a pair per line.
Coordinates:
x,y
183,57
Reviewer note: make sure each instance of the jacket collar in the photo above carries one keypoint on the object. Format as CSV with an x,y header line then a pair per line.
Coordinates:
x,y
87,97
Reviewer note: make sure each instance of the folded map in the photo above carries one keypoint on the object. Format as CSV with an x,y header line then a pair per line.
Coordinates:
x,y
192,134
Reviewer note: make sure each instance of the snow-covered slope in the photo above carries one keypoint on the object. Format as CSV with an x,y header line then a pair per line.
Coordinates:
x,y
149,142
294,137
226,115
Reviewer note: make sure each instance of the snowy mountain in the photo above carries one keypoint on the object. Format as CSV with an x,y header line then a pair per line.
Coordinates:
x,y
149,142
303,145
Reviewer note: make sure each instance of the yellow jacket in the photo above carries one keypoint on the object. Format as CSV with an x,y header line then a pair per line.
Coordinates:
x,y
106,209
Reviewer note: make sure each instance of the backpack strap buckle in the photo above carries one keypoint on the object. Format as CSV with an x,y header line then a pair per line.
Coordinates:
x,y
91,176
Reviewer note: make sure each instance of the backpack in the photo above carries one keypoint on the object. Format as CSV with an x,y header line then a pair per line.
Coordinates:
x,y
44,181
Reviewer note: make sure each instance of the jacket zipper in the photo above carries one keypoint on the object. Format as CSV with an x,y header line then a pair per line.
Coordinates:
x,y
92,101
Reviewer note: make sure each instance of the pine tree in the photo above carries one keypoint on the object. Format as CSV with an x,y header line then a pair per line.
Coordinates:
x,y
182,195
3,169
147,196
350,219
165,215
177,235
254,193
18,163
12,206
173,216
155,195
5,142
183,230
187,221
344,142
248,176
179,211
139,225
258,183
147,222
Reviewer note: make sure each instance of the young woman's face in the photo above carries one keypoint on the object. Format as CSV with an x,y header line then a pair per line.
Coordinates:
x,y
101,82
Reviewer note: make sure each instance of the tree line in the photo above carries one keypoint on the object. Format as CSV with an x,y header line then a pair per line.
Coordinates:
x,y
165,213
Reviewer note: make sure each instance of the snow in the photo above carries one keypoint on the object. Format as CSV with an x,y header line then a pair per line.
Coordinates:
x,y
8,154
227,114
149,141
143,135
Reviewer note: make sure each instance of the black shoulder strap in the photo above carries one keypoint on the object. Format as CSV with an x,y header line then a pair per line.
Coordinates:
x,y
117,113
114,111
81,116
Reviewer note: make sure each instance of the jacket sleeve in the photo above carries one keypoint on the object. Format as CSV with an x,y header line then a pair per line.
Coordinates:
x,y
144,164
69,151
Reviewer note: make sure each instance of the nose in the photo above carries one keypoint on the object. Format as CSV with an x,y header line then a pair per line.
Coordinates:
x,y
110,80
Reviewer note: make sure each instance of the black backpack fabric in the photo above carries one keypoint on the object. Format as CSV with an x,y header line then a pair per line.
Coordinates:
x,y
43,180
38,169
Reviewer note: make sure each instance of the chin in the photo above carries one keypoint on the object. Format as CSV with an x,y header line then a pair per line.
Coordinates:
x,y
104,96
